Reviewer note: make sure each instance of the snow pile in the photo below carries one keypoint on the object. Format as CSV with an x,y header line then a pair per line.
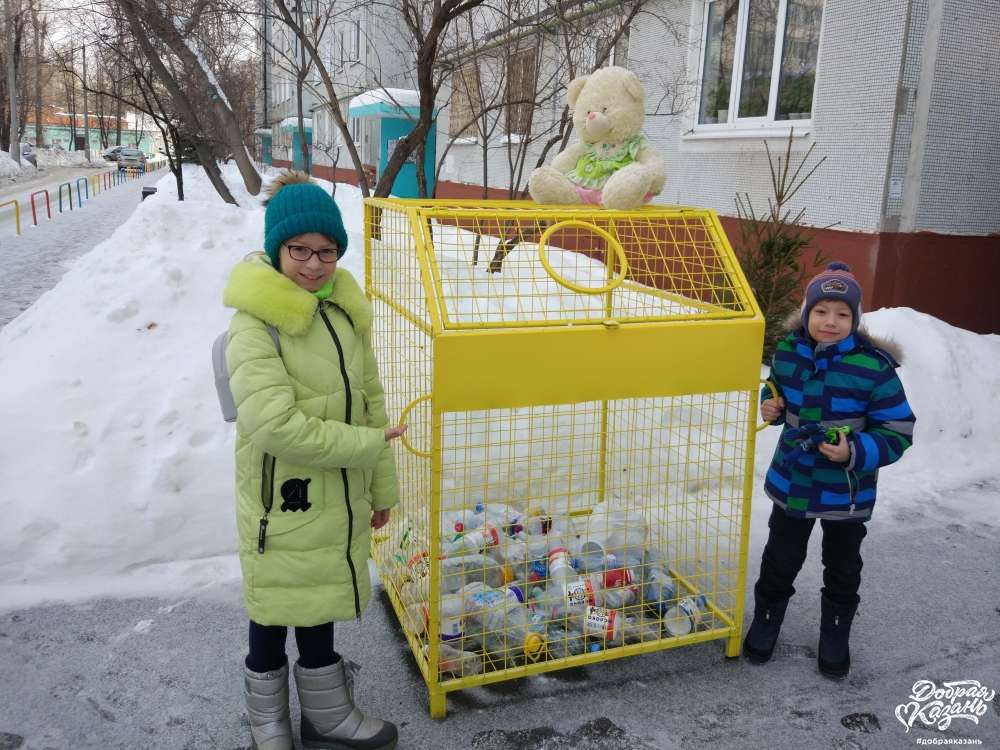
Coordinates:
x,y
118,470
57,157
10,168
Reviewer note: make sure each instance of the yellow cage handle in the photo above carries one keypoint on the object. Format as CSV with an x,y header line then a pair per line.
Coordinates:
x,y
774,394
402,420
613,243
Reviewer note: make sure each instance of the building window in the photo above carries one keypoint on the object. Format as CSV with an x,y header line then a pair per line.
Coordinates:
x,y
466,102
759,62
521,90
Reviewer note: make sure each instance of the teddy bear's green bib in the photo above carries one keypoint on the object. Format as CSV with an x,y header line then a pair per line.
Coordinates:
x,y
593,169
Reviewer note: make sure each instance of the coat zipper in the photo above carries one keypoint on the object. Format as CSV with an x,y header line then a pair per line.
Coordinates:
x,y
266,497
343,471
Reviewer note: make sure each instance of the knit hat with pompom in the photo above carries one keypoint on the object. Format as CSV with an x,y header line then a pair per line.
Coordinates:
x,y
837,283
297,205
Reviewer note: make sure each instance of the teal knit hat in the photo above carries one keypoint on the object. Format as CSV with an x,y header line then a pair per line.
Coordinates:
x,y
297,206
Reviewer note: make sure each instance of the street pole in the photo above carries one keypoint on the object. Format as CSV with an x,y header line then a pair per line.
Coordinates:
x,y
15,141
86,114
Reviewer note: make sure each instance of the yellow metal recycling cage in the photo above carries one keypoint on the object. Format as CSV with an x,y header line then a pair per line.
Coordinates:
x,y
580,388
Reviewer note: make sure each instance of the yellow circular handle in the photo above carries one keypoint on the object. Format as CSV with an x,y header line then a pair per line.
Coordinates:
x,y
402,420
774,394
612,243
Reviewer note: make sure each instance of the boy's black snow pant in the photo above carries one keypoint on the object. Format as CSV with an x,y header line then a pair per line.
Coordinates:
x,y
267,647
786,549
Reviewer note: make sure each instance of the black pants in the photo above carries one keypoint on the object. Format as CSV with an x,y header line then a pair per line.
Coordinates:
x,y
786,549
267,647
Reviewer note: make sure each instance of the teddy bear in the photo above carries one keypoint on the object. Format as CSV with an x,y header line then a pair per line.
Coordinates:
x,y
612,165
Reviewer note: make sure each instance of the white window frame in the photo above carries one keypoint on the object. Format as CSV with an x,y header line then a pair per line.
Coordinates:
x,y
756,127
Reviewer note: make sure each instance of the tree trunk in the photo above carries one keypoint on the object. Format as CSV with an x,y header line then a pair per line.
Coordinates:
x,y
180,99
211,167
228,126
39,125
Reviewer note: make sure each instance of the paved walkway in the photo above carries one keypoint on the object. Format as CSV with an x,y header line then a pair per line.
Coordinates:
x,y
35,261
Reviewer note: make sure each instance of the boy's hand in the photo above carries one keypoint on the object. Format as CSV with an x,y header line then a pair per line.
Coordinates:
x,y
771,409
380,518
392,433
838,452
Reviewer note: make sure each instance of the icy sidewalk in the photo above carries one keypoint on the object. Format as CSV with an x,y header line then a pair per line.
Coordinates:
x,y
148,673
36,260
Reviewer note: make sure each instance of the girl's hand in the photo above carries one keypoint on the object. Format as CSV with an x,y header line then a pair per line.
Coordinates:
x,y
771,409
392,433
838,452
380,518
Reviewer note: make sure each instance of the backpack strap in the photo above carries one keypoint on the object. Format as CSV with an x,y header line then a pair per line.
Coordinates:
x,y
274,337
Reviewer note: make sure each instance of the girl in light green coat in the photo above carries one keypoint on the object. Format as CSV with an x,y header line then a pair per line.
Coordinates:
x,y
314,467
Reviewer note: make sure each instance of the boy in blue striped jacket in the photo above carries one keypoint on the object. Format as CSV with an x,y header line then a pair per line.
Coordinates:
x,y
827,374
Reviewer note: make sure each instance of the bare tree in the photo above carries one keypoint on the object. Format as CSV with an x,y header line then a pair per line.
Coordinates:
x,y
152,20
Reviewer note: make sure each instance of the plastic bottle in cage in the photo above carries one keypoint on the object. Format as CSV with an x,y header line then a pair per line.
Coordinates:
x,y
628,535
591,556
510,551
498,620
562,643
459,570
415,587
537,558
560,567
637,629
603,624
450,620
455,661
614,588
502,516
476,540
459,521
659,592
562,599
687,615
561,533
415,617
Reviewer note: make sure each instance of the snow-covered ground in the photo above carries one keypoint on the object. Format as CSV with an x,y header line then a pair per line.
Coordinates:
x,y
116,480
10,168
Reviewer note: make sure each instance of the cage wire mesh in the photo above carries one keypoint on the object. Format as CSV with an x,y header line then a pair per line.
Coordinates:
x,y
533,536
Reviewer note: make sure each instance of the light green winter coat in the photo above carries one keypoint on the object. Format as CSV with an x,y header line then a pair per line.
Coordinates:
x,y
309,442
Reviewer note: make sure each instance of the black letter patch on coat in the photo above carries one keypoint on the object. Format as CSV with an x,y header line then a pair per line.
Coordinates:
x,y
295,493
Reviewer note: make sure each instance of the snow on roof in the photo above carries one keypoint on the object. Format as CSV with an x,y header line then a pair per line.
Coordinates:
x,y
402,97
293,122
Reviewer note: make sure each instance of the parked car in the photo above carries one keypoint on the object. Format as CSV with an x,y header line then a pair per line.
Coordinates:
x,y
131,157
111,154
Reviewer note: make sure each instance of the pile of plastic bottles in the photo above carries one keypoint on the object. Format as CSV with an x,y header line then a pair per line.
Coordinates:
x,y
518,587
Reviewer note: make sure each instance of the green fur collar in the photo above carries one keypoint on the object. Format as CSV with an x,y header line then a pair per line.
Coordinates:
x,y
257,288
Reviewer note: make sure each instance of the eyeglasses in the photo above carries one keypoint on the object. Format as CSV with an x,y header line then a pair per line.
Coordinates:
x,y
303,253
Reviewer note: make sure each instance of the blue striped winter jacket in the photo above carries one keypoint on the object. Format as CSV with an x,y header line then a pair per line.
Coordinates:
x,y
853,383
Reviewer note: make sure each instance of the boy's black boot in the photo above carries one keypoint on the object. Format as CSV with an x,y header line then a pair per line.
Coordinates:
x,y
834,657
763,634
329,717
